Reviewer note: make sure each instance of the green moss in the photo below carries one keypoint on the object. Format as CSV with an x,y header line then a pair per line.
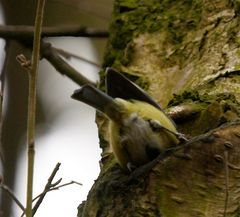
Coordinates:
x,y
127,5
238,212
134,17
164,200
185,97
104,144
236,5
203,112
237,66
193,96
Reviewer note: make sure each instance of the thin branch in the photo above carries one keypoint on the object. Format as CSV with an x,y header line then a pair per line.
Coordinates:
x,y
51,54
47,186
62,66
32,103
1,126
50,187
24,62
27,32
56,188
23,33
11,194
69,55
68,183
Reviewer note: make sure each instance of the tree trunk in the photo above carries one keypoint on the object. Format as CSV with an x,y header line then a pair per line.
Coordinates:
x,y
186,55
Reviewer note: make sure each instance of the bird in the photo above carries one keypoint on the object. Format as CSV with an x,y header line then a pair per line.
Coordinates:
x,y
139,128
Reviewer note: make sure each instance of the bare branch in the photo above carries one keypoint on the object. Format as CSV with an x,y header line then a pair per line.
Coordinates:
x,y
23,33
66,184
11,194
26,32
24,62
57,188
69,55
52,55
62,66
47,186
32,99
51,187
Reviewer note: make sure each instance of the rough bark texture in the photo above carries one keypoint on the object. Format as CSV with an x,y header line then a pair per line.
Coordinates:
x,y
190,49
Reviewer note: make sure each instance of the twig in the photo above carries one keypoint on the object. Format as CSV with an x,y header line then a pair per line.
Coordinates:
x,y
27,32
68,183
50,187
24,62
68,55
24,33
47,186
62,66
32,103
51,54
1,125
11,194
56,188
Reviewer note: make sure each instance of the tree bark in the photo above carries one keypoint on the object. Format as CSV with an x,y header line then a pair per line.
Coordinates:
x,y
186,55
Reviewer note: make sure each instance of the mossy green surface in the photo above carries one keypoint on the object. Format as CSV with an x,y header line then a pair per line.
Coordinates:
x,y
131,18
203,112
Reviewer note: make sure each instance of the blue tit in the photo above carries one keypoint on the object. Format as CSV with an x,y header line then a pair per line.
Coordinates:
x,y
139,129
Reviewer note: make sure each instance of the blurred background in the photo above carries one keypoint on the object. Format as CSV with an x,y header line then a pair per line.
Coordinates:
x,y
66,129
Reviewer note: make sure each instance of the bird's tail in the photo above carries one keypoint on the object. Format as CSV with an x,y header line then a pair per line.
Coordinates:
x,y
98,100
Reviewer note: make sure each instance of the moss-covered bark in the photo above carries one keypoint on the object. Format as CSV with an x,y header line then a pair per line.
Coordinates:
x,y
186,55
